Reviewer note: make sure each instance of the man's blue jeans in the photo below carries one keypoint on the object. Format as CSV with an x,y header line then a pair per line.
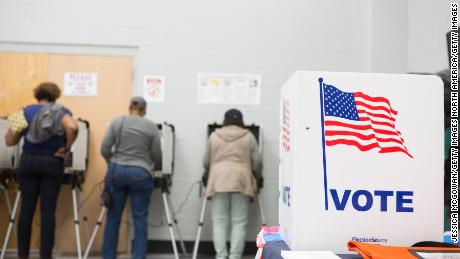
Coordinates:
x,y
122,181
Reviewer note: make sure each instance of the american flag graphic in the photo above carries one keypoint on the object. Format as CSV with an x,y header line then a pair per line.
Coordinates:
x,y
285,138
359,120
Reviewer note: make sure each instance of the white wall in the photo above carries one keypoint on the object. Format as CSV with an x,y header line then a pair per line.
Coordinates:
x,y
409,35
270,38
429,21
178,39
388,36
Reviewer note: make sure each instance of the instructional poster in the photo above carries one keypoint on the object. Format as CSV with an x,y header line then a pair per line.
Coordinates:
x,y
80,84
154,89
228,88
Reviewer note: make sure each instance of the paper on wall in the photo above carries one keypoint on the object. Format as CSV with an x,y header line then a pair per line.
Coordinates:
x,y
154,89
80,84
220,88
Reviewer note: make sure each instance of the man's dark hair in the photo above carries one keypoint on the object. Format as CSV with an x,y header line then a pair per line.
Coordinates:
x,y
138,103
136,106
47,91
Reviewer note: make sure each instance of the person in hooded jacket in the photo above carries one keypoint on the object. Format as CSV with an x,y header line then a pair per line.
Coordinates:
x,y
234,167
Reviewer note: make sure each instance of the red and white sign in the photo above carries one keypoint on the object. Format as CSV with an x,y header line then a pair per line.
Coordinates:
x,y
80,84
154,89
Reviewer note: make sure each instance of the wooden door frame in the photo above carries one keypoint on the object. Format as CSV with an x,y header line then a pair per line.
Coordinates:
x,y
80,49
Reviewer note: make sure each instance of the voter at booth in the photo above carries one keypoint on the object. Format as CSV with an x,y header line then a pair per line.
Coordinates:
x,y
234,162
49,131
132,149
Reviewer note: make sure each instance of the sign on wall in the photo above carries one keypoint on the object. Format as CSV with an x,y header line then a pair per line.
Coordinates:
x,y
361,159
80,84
218,88
154,89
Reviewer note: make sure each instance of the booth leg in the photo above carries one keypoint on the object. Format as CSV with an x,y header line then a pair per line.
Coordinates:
x,y
261,209
8,205
170,225
84,216
93,235
179,234
200,226
76,221
10,225
7,199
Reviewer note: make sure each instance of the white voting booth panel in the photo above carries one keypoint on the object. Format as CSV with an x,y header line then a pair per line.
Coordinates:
x,y
75,164
78,159
167,148
7,154
79,150
361,159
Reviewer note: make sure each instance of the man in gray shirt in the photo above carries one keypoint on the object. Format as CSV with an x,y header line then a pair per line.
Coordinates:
x,y
132,149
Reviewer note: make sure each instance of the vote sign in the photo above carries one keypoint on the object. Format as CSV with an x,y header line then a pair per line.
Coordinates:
x,y
361,159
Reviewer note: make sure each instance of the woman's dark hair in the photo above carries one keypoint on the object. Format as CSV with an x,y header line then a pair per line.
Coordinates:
x,y
233,117
236,122
47,91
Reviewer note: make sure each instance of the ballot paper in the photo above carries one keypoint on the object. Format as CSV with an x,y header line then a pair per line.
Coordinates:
x,y
445,255
308,255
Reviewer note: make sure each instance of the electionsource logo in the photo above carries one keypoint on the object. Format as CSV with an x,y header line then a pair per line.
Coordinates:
x,y
367,123
370,239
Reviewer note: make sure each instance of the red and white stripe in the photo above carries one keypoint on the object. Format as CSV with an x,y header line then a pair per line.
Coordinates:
x,y
375,129
286,141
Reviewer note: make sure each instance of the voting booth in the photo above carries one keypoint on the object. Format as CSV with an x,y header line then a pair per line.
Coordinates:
x,y
76,165
361,158
8,161
74,174
7,164
7,154
167,132
257,132
163,180
77,161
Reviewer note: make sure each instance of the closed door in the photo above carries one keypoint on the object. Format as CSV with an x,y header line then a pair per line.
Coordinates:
x,y
19,74
113,95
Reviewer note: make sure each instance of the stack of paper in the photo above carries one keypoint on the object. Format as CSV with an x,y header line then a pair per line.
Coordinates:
x,y
308,255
